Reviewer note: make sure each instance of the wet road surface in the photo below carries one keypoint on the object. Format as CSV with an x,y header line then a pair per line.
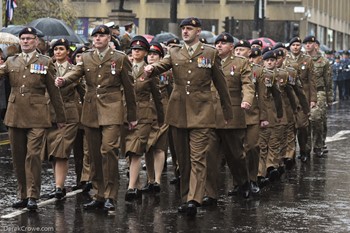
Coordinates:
x,y
313,197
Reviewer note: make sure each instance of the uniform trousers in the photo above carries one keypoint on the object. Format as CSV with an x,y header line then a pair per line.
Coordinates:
x,y
291,143
26,147
103,144
251,145
269,149
317,116
191,147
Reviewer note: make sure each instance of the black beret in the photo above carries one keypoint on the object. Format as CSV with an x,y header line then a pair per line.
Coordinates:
x,y
28,30
128,51
278,45
337,56
256,52
243,43
203,40
328,52
279,52
80,49
266,49
101,29
257,42
139,42
225,37
191,21
157,48
269,54
173,41
61,41
294,39
309,39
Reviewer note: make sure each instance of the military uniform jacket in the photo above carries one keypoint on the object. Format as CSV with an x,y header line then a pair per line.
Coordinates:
x,y
125,42
103,104
322,71
337,71
28,107
144,88
269,97
305,69
70,99
252,114
237,75
191,104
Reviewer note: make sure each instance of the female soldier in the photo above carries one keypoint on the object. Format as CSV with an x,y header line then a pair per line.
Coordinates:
x,y
136,140
158,140
60,140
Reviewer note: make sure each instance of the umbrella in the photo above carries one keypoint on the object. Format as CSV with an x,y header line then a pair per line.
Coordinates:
x,y
56,29
15,30
148,37
7,38
163,37
266,41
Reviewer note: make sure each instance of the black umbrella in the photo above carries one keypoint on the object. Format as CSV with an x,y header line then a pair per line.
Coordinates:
x,y
56,29
14,30
163,37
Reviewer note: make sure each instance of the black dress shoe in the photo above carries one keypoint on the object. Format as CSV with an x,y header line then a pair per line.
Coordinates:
x,y
263,181
60,193
31,205
87,187
234,191
304,158
273,174
245,189
254,188
325,149
109,205
20,204
94,205
156,187
289,164
318,152
147,188
209,201
281,170
175,180
132,194
182,208
192,208
52,194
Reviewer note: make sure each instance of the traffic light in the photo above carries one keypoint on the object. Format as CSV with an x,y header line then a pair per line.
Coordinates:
x,y
226,26
237,26
294,29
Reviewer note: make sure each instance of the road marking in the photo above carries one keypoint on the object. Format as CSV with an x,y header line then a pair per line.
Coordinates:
x,y
338,136
40,204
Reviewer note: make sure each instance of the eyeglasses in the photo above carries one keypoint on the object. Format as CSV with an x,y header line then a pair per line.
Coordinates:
x,y
27,38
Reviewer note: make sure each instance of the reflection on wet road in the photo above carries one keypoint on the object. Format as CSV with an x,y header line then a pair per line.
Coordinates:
x,y
313,197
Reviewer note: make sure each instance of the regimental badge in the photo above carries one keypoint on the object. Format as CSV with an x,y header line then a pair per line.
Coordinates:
x,y
113,67
241,42
29,29
193,22
102,29
204,62
138,42
62,40
225,37
152,47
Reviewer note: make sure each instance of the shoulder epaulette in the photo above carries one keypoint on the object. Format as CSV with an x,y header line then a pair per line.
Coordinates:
x,y
209,45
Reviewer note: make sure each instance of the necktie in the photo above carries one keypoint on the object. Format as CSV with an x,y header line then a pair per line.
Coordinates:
x,y
136,69
26,57
190,51
60,70
100,56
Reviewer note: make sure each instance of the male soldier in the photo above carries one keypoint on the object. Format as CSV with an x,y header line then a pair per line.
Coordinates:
x,y
346,75
190,113
322,72
31,75
106,71
115,33
305,70
230,137
126,38
257,44
242,48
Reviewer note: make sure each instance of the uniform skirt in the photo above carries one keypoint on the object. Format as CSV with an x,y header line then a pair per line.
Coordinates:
x,y
158,138
59,142
136,139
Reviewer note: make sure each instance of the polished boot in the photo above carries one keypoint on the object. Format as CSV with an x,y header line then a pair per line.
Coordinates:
x,y
209,201
289,163
31,205
273,174
109,205
148,188
192,208
93,205
182,208
156,187
20,204
318,152
60,193
245,189
305,158
132,194
263,181
234,191
254,188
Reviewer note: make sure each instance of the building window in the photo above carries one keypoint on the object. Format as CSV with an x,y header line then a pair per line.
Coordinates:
x,y
203,1
158,1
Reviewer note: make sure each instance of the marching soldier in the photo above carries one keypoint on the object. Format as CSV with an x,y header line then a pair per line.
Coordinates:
x,y
31,75
305,71
106,71
126,38
322,74
190,110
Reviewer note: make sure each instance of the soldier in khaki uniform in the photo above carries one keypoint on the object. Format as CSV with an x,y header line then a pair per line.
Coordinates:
x,y
28,114
190,110
318,115
230,136
126,38
106,71
305,71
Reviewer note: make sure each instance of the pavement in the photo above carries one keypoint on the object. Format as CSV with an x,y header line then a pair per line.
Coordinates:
x,y
313,197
